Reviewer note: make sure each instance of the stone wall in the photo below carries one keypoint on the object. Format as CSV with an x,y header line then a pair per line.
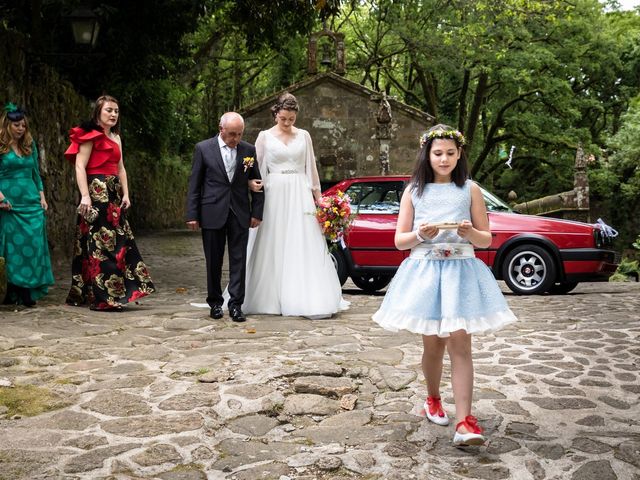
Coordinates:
x,y
158,186
53,106
158,191
341,117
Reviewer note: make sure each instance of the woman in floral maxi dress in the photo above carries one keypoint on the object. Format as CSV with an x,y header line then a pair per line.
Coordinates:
x,y
107,268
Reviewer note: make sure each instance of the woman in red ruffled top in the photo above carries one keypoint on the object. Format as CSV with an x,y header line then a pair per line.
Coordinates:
x,y
107,268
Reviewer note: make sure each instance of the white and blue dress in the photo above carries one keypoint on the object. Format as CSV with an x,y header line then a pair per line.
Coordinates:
x,y
442,287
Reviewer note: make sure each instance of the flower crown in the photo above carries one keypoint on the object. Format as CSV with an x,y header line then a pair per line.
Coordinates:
x,y
433,134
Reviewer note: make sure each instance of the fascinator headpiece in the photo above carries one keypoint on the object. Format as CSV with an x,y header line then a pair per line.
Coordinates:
x,y
14,112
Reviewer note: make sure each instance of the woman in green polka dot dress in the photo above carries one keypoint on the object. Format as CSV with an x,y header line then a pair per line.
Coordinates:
x,y
23,231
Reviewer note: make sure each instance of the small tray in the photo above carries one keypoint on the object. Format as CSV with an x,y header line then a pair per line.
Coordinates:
x,y
446,225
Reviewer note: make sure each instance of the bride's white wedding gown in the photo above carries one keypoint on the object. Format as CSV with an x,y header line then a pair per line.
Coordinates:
x,y
289,269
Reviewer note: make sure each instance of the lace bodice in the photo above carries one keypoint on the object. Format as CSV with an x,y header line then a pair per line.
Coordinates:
x,y
442,202
295,157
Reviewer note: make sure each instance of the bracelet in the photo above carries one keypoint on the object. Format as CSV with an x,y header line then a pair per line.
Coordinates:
x,y
420,239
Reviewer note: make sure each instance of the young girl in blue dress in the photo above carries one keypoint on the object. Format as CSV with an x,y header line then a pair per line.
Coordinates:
x,y
441,290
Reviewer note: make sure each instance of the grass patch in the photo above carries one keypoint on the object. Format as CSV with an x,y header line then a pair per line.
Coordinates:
x,y
188,467
189,373
64,381
29,400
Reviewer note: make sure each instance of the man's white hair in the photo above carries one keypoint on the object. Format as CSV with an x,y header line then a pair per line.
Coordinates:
x,y
230,116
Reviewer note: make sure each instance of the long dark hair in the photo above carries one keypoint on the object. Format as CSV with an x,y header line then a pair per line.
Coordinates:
x,y
423,172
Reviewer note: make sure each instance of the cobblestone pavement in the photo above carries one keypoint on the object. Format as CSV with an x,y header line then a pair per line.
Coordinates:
x,y
162,391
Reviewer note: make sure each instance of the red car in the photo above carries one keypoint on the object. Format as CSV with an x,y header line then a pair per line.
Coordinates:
x,y
531,254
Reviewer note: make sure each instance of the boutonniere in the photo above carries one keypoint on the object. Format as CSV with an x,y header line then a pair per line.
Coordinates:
x,y
248,162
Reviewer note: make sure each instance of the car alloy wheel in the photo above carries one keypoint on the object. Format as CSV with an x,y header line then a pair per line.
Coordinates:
x,y
529,270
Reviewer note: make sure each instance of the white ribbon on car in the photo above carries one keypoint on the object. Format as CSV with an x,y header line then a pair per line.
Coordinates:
x,y
606,230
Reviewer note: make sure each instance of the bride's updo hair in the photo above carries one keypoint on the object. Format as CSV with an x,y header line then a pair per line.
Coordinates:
x,y
286,101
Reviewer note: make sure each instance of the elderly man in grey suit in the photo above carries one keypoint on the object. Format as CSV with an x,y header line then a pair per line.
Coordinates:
x,y
220,203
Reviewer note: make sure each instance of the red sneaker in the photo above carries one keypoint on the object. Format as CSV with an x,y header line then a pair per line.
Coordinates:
x,y
472,437
435,412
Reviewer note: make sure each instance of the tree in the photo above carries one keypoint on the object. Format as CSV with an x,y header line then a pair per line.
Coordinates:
x,y
543,76
160,58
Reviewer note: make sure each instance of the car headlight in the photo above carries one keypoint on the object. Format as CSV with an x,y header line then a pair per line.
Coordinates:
x,y
598,238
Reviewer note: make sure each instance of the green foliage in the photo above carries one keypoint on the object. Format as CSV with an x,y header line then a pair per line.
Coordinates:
x,y
615,179
158,189
503,71
625,157
628,268
626,271
272,23
542,76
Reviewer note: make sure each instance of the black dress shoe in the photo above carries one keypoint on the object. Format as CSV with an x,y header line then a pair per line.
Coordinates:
x,y
25,296
11,291
237,315
216,312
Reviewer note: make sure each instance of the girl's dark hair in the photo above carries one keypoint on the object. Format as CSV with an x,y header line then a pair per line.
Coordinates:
x,y
94,123
286,101
423,172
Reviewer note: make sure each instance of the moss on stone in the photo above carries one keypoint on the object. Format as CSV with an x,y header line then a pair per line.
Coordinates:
x,y
187,468
29,400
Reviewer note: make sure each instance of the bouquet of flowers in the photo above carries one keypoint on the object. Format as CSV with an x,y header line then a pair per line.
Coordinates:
x,y
333,213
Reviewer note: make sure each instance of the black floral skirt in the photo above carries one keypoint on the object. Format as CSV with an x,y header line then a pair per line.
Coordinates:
x,y
107,268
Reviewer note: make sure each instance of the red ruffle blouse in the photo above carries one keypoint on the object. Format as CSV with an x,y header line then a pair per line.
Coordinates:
x,y
105,153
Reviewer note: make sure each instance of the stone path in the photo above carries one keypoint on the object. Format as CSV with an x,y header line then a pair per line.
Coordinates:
x,y
162,391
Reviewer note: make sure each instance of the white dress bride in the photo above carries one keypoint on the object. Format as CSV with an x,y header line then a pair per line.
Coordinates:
x,y
289,269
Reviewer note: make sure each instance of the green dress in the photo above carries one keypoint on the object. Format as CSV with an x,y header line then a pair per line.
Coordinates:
x,y
23,229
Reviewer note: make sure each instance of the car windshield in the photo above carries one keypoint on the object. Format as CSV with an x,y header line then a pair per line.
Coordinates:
x,y
494,204
376,196
384,197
